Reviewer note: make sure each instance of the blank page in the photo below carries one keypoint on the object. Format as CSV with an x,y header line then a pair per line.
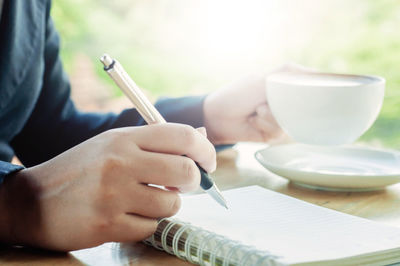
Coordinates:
x,y
292,229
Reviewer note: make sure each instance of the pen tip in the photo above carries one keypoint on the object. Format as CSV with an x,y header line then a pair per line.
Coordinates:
x,y
217,196
222,202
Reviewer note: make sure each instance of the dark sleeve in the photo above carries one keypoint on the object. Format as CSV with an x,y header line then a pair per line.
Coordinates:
x,y
56,125
7,169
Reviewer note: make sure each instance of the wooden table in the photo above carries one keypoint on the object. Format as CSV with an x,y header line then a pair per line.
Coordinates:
x,y
236,168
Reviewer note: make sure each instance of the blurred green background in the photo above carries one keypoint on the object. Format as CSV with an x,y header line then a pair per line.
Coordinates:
x,y
180,47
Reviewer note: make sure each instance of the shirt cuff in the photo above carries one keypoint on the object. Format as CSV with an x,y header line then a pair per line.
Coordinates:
x,y
7,169
184,110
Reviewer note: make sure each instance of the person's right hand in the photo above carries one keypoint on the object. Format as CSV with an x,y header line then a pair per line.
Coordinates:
x,y
98,191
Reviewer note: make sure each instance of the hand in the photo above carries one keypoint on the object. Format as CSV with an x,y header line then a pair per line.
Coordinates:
x,y
240,111
98,191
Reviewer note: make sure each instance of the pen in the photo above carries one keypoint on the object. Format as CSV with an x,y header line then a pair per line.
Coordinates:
x,y
150,114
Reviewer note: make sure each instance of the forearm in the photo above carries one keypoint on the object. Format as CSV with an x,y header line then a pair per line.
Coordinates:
x,y
53,134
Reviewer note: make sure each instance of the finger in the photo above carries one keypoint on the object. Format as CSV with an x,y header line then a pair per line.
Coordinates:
x,y
132,228
253,133
153,202
167,170
202,131
177,139
265,130
263,112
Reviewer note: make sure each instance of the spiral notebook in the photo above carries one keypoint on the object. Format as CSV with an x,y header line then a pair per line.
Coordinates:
x,y
263,227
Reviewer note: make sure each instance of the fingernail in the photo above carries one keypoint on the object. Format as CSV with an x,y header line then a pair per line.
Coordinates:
x,y
202,131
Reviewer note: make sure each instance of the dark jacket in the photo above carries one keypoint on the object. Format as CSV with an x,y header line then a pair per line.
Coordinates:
x,y
38,120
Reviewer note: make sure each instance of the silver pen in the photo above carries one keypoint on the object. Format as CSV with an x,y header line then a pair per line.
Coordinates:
x,y
152,116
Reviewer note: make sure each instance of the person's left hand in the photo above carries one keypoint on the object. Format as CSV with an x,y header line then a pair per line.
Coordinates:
x,y
240,112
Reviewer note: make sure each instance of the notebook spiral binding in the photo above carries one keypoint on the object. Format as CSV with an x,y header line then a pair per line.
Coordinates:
x,y
199,246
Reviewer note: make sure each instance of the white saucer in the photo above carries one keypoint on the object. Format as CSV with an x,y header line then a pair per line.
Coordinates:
x,y
343,168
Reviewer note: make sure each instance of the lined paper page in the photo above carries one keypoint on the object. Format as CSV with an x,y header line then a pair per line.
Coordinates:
x,y
295,230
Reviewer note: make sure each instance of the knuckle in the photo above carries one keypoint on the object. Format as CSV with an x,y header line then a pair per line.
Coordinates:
x,y
190,170
108,195
154,201
117,136
165,205
175,205
163,166
110,143
112,135
188,135
103,225
110,163
147,230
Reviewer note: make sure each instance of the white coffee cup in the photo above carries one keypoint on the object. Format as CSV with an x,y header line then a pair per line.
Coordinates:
x,y
322,108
